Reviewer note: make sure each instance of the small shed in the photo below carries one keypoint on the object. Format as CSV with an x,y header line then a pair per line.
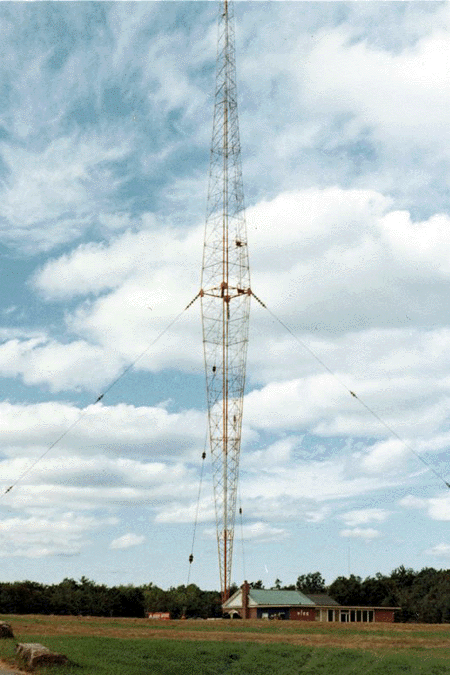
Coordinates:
x,y
160,616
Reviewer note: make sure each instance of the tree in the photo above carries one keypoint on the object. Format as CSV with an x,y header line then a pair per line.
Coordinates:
x,y
347,591
132,601
378,591
155,599
233,588
311,583
403,577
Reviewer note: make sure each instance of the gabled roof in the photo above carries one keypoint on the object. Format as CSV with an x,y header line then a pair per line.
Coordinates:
x,y
263,597
260,597
322,600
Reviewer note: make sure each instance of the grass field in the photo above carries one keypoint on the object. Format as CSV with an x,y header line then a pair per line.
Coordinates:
x,y
97,646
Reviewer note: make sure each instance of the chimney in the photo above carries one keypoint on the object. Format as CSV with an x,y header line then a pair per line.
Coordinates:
x,y
245,590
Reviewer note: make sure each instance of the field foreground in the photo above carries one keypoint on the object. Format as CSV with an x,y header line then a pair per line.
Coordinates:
x,y
139,646
356,636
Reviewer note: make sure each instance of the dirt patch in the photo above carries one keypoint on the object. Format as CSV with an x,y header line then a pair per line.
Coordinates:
x,y
6,668
356,636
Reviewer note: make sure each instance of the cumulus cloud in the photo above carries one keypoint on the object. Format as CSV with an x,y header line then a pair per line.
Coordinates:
x,y
44,361
38,537
274,457
385,456
363,516
335,278
411,501
127,541
413,78
182,512
437,508
319,481
364,533
439,551
102,426
95,267
104,143
258,531
330,280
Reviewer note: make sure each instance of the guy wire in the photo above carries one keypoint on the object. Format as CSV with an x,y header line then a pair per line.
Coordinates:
x,y
242,536
191,555
97,400
354,395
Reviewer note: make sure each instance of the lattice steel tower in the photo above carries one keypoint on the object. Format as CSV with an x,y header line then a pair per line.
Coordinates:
x,y
225,294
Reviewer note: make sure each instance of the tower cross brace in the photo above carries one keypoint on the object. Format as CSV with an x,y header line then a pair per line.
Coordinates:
x,y
225,294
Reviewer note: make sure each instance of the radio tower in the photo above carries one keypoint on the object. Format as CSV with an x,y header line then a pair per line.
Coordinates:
x,y
225,295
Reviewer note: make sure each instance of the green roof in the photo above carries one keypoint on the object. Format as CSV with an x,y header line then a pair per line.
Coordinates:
x,y
322,600
276,598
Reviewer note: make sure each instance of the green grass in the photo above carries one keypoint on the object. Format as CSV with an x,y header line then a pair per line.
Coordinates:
x,y
114,656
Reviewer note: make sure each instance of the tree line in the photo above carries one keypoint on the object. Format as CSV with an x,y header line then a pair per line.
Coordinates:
x,y
422,596
85,597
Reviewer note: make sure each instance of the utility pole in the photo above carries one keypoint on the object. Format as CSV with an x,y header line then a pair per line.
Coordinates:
x,y
225,295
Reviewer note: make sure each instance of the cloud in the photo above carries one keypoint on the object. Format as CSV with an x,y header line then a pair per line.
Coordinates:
x,y
302,485
275,456
38,537
438,508
181,512
101,426
385,456
358,274
364,533
76,145
258,531
44,361
110,458
421,244
104,135
413,79
321,404
93,268
127,541
363,516
439,550
98,484
263,532
52,194
331,129
153,274
141,74
329,283
410,501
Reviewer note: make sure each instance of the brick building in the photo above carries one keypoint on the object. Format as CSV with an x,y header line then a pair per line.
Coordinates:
x,y
253,603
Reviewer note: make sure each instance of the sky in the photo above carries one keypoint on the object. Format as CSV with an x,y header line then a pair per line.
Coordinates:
x,y
105,126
